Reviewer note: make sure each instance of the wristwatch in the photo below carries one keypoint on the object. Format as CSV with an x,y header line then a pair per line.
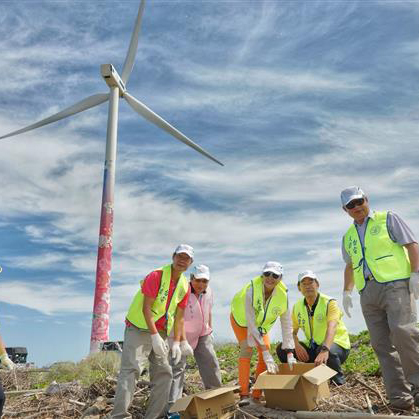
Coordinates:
x,y
324,348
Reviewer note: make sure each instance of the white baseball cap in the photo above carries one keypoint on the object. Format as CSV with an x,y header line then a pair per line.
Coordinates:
x,y
351,193
201,271
185,248
274,267
307,274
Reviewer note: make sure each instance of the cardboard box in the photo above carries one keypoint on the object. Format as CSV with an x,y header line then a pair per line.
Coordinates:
x,y
218,403
298,389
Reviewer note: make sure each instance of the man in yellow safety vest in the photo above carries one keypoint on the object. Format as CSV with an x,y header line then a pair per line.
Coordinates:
x,y
319,317
382,261
157,307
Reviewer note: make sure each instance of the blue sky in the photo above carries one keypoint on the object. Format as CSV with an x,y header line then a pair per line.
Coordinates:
x,y
298,99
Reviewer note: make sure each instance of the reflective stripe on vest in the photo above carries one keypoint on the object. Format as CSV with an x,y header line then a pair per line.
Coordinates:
x,y
135,313
320,323
386,259
265,317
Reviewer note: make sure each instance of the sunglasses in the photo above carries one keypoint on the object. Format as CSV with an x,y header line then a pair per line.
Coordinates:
x,y
355,203
268,274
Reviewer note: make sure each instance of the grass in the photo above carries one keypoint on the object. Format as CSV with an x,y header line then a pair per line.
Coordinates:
x,y
88,371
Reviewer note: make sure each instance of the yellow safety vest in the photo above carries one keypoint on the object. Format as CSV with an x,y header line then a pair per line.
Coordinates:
x,y
135,313
265,316
387,260
317,330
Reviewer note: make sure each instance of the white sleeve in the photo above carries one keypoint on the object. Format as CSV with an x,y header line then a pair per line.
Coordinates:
x,y
286,326
252,330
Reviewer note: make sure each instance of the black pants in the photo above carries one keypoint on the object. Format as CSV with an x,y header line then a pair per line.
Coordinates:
x,y
2,399
337,357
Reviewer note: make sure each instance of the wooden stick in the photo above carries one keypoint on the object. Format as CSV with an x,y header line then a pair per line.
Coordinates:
x,y
348,408
77,402
34,391
369,404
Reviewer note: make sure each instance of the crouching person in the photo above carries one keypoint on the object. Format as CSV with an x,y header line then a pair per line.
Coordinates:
x,y
198,333
254,310
157,308
319,316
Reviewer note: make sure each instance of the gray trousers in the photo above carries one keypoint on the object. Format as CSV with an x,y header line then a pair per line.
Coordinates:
x,y
136,350
390,314
208,367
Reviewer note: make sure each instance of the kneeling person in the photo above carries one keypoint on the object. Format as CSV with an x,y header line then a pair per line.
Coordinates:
x,y
327,340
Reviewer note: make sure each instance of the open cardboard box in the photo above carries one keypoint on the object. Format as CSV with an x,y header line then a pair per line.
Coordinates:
x,y
299,389
218,403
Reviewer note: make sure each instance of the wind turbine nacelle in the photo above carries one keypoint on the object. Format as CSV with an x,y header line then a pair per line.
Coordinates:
x,y
111,77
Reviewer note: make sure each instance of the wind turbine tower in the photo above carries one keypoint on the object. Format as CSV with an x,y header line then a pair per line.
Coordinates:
x,y
117,89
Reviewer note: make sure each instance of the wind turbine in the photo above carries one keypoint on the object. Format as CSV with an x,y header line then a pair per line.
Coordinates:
x,y
117,87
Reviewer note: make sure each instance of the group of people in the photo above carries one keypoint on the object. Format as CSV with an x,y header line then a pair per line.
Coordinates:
x,y
170,318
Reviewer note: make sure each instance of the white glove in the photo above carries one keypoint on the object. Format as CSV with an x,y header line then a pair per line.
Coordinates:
x,y
185,348
347,302
414,284
7,362
160,346
270,363
291,360
176,352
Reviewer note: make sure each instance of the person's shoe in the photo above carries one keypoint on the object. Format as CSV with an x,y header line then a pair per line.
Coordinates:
x,y
402,404
339,379
244,401
172,415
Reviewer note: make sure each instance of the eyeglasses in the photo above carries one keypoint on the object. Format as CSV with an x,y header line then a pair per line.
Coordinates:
x,y
268,274
355,203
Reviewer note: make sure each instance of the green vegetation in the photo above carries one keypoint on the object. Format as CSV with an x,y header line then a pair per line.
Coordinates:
x,y
362,358
93,369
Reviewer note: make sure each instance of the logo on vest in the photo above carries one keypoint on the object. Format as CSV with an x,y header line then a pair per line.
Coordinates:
x,y
319,317
375,230
275,311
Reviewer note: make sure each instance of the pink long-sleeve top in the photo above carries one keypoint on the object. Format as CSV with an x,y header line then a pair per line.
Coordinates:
x,y
197,316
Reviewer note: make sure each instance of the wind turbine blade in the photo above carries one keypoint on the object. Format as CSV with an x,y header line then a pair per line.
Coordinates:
x,y
160,122
84,104
132,50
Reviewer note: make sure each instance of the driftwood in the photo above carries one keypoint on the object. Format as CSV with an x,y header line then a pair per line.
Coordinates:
x,y
369,404
33,391
344,415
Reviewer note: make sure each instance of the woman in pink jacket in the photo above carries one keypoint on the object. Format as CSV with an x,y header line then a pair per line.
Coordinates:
x,y
199,340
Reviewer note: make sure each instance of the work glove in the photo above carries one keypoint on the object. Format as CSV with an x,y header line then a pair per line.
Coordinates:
x,y
291,360
414,284
7,362
176,352
160,346
347,302
270,363
185,348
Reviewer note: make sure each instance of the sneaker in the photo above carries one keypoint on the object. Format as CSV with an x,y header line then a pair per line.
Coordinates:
x,y
244,401
172,415
402,404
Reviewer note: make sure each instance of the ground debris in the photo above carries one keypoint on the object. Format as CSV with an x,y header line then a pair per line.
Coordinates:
x,y
361,394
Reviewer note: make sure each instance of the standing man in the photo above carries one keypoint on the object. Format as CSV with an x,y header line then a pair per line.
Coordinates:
x,y
198,340
318,315
157,308
382,260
